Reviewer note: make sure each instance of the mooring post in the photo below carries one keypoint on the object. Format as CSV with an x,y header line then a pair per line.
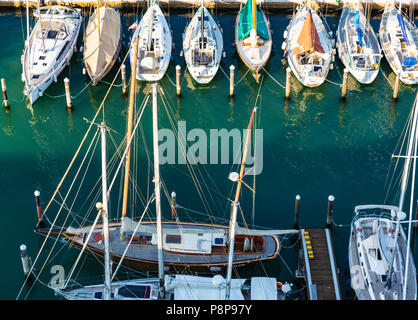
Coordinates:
x,y
38,206
329,213
173,205
288,73
178,84
231,80
3,88
396,89
123,72
25,260
297,205
67,93
344,88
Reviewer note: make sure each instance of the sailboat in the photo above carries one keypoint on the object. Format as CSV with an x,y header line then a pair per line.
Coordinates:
x,y
380,259
358,47
102,41
253,37
399,40
308,46
155,45
202,46
49,47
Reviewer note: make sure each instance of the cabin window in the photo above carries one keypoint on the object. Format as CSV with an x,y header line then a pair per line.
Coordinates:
x,y
52,34
42,57
36,76
372,252
98,295
130,291
219,241
140,239
173,238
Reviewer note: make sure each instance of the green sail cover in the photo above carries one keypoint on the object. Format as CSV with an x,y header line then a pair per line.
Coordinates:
x,y
245,23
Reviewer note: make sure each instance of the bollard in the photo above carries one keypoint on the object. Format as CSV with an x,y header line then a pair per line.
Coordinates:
x,y
344,88
396,89
84,71
123,72
178,85
288,70
25,260
329,213
231,80
3,88
297,205
38,206
67,93
173,205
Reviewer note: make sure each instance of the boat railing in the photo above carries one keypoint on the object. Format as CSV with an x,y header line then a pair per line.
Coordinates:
x,y
362,214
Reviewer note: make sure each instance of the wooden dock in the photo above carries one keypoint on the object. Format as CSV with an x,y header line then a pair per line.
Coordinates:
x,y
320,270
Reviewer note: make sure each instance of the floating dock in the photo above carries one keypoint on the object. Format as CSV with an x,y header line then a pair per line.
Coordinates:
x,y
280,4
320,269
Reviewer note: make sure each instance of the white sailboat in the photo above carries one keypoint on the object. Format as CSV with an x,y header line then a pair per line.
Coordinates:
x,y
202,46
399,40
49,48
308,46
357,44
380,259
102,40
155,45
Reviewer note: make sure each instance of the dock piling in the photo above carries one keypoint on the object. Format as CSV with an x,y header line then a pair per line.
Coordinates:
x,y
123,73
178,84
173,205
67,93
344,87
25,260
396,88
3,88
288,71
329,213
38,206
297,207
231,80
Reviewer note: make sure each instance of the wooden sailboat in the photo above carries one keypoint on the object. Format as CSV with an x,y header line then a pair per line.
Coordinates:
x,y
155,45
253,37
399,39
102,40
49,48
308,46
380,259
358,47
202,46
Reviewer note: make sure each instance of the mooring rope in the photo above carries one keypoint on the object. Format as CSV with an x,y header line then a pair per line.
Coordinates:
x,y
223,71
390,84
274,79
241,78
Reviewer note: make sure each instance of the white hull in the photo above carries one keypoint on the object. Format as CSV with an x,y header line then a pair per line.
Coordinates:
x,y
394,45
43,61
361,61
310,73
203,64
155,44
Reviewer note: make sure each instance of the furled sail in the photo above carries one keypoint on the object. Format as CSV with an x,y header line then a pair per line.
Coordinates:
x,y
309,39
245,23
358,29
402,25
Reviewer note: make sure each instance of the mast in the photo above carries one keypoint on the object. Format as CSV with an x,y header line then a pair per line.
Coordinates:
x,y
232,224
40,24
157,183
129,130
98,20
105,216
202,23
27,20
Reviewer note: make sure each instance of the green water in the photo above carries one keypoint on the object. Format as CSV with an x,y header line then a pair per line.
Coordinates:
x,y
313,146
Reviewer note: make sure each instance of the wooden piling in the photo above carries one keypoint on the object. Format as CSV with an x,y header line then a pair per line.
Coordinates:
x,y
3,88
38,206
25,260
178,84
231,80
67,93
297,206
329,213
123,72
344,88
288,73
396,89
173,205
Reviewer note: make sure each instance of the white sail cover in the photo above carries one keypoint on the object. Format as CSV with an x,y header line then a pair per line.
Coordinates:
x,y
263,288
99,50
203,288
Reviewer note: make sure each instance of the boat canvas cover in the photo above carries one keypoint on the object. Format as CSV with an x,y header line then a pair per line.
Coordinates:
x,y
204,288
358,29
402,25
245,23
308,39
263,288
99,51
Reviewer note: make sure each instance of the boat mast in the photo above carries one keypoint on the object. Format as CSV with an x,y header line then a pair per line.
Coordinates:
x,y
202,23
40,24
98,19
27,20
233,221
129,131
157,183
105,216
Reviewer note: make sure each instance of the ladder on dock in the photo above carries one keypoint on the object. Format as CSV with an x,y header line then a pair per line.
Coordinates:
x,y
320,270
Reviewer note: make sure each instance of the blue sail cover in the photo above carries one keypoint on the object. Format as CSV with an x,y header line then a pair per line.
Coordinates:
x,y
402,25
410,62
359,31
